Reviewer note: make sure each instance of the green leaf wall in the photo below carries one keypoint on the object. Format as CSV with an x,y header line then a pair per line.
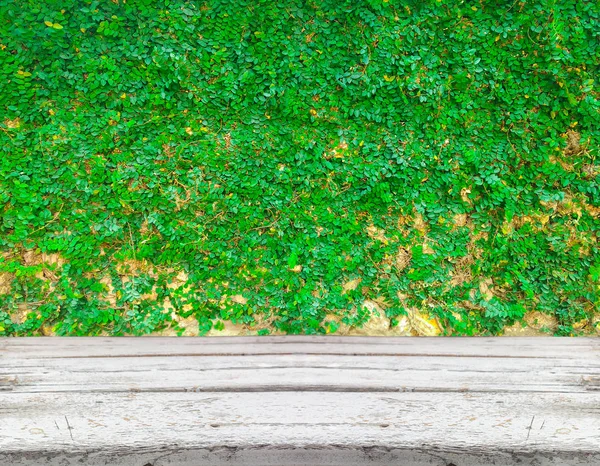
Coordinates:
x,y
245,160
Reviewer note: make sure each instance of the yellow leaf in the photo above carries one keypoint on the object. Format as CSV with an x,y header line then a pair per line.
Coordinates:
x,y
82,29
57,26
389,79
48,23
123,96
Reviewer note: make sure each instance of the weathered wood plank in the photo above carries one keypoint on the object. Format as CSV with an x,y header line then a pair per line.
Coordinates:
x,y
299,401
88,347
291,373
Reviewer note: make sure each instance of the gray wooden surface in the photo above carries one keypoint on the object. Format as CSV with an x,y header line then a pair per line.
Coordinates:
x,y
300,401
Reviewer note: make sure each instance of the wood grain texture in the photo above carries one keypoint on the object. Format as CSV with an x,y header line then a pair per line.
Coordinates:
x,y
300,401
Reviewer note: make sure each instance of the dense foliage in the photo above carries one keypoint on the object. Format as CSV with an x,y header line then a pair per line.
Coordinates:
x,y
246,160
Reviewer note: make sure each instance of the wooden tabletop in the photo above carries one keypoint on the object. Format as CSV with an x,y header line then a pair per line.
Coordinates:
x,y
300,401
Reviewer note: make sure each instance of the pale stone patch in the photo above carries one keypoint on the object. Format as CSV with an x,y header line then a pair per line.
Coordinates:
x,y
486,288
533,324
427,249
180,280
230,329
535,220
379,324
187,307
582,240
32,258
134,267
595,324
422,323
110,290
403,328
402,296
460,220
479,235
507,228
591,170
592,210
182,277
403,259
403,220
419,223
464,195
377,233
54,259
47,331
264,322
14,123
6,279
581,324
569,205
573,143
151,295
338,152
144,228
351,285
461,273
567,166
518,330
538,320
239,299
342,328
376,325
20,315
457,316
190,326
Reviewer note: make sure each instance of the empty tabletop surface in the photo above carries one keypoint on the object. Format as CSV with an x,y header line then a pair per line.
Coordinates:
x,y
298,400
